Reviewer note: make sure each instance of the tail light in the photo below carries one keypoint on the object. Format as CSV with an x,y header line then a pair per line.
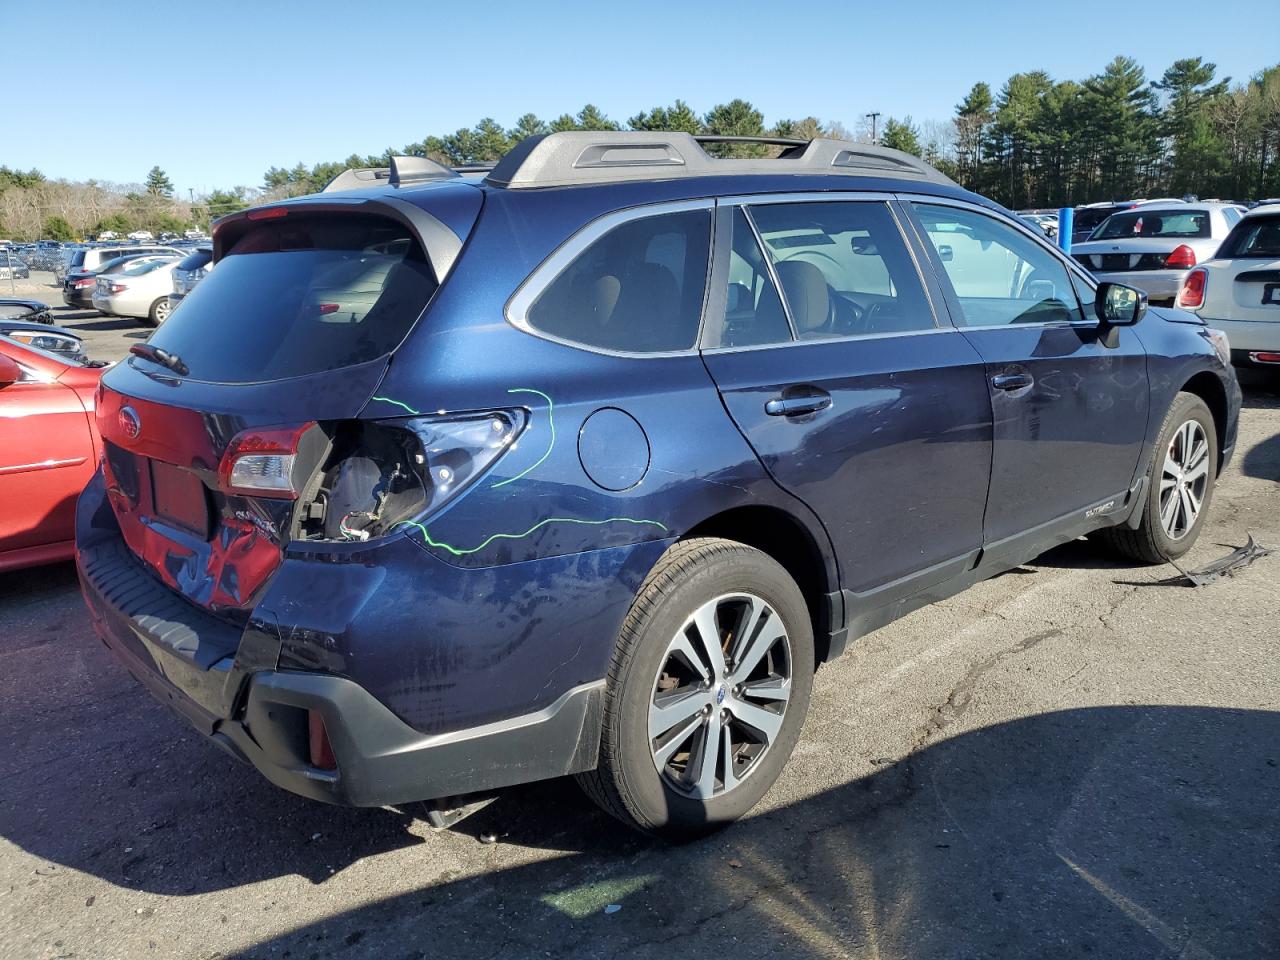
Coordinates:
x,y
1181,258
117,287
265,463
86,282
1191,295
380,474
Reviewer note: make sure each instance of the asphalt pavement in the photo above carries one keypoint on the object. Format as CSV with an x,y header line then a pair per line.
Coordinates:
x,y
1079,758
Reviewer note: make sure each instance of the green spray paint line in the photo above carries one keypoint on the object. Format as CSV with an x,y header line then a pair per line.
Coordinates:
x,y
464,552
397,403
551,422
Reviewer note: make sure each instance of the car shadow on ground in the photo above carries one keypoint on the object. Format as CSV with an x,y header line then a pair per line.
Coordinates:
x,y
1125,831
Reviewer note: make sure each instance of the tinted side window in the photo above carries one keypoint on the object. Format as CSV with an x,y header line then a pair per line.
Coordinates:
x,y
844,269
753,309
637,289
999,275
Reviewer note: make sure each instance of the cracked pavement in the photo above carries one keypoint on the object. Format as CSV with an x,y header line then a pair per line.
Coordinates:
x,y
1068,759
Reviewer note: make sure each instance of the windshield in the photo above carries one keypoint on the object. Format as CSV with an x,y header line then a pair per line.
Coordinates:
x,y
63,358
1185,224
1254,238
301,295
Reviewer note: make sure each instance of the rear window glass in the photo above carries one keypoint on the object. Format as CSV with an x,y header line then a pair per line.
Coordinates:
x,y
1155,223
195,261
301,295
1254,238
637,289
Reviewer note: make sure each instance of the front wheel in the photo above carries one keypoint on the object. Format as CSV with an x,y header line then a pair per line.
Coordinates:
x,y
1180,482
707,692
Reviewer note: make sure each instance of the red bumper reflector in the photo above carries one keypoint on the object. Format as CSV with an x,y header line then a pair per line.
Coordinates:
x,y
321,750
1264,357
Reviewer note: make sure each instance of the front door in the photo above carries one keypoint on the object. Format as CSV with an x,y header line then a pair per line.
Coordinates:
x,y
1070,402
853,397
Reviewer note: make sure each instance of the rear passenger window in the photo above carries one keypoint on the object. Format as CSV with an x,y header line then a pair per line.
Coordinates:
x,y
637,289
844,269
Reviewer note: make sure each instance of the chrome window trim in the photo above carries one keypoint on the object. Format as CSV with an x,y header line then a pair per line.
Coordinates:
x,y
1025,228
746,201
828,341
516,311
770,267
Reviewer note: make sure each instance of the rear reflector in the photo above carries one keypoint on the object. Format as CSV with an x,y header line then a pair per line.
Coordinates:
x,y
1191,296
1264,357
1181,258
260,462
319,748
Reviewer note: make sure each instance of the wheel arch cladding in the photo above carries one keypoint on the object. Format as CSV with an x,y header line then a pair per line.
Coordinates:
x,y
1209,388
787,540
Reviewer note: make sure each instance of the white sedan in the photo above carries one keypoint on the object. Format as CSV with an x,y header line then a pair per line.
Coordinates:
x,y
1153,245
140,289
1238,290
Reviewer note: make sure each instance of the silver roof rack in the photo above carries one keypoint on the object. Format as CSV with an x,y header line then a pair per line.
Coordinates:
x,y
403,170
580,157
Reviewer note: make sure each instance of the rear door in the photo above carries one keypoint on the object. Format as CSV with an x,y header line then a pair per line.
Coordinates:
x,y
855,399
1070,402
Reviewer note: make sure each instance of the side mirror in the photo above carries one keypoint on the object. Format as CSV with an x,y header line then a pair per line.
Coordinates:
x,y
10,372
1119,306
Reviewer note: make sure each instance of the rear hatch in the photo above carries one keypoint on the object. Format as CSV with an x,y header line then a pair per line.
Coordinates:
x,y
210,438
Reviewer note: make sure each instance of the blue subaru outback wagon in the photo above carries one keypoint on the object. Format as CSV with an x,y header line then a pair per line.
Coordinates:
x,y
443,483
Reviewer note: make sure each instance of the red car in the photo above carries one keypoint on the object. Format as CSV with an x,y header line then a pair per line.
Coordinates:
x,y
49,448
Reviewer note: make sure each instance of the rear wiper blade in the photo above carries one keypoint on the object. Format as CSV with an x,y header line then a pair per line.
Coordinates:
x,y
163,357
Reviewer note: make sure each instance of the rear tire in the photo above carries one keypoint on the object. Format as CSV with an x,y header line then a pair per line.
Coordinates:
x,y
159,312
1180,482
671,700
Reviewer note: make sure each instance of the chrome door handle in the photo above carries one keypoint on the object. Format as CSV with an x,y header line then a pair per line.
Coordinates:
x,y
795,406
1012,381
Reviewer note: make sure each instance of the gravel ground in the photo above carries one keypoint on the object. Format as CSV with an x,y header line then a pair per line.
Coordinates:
x,y
1072,759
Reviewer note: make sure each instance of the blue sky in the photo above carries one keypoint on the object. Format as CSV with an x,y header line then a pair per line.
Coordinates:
x,y
217,92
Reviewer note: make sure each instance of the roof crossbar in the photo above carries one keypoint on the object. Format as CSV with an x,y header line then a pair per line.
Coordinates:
x,y
580,157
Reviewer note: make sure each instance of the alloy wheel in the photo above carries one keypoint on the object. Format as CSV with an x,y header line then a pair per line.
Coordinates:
x,y
720,695
1184,479
162,311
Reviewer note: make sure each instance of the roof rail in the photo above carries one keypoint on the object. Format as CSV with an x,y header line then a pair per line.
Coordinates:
x,y
580,157
403,170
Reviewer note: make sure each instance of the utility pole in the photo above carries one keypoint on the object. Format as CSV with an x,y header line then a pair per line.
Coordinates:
x,y
873,117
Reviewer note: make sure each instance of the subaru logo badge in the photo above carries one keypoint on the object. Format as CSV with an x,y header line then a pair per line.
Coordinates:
x,y
130,425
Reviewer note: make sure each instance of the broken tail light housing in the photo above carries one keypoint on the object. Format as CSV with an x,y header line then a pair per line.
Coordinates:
x,y
1191,294
379,474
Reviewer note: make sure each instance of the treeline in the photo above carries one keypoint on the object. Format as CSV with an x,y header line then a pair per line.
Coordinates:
x,y
1042,142
488,140
1038,142
33,207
